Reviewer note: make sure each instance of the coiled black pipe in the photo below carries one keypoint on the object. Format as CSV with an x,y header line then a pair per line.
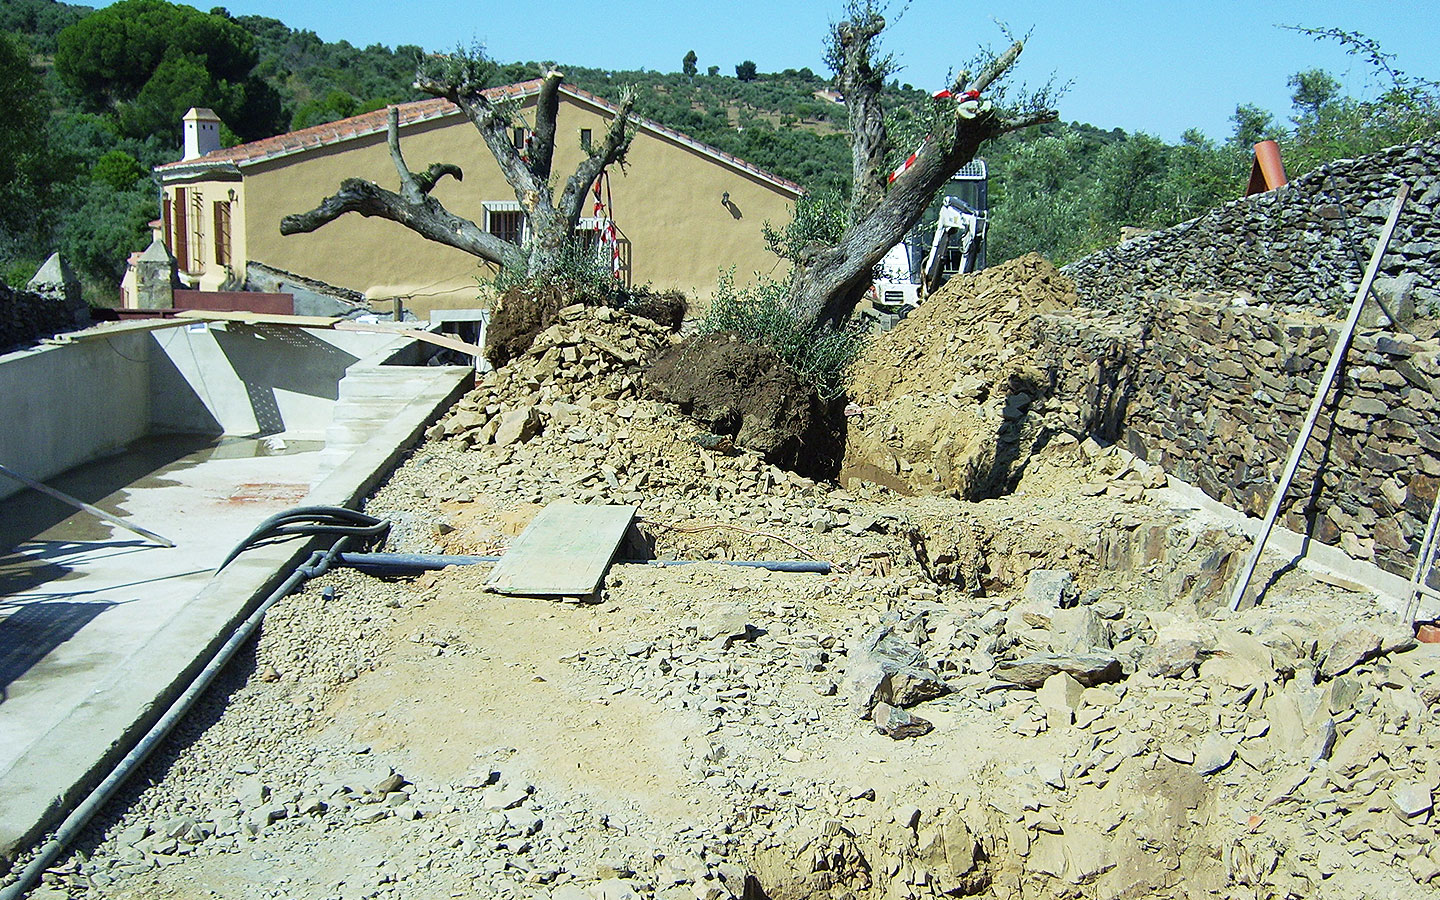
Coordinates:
x,y
308,521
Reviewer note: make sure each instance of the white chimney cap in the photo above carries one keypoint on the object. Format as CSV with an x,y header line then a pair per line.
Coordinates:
x,y
201,129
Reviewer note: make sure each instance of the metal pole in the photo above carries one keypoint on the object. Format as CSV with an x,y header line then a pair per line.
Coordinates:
x,y
1424,562
1342,344
81,504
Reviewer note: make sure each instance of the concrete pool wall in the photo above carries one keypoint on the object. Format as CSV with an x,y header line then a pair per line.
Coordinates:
x,y
154,616
67,404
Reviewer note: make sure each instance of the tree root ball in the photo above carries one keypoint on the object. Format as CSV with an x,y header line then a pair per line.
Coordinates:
x,y
744,391
523,311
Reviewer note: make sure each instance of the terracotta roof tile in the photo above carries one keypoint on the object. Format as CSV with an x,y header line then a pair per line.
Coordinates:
x,y
318,136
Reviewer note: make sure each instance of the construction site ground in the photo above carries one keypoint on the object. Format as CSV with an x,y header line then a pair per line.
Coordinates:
x,y
1041,694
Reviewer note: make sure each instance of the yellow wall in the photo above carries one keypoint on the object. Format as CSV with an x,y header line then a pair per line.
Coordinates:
x,y
211,275
666,201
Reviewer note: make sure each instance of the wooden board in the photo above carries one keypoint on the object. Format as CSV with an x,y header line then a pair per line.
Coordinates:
x,y
111,329
440,340
254,318
563,552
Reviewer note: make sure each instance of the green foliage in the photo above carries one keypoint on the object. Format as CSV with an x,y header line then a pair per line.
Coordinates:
x,y
1252,125
774,122
687,65
305,70
580,270
762,315
819,217
334,106
1313,89
1042,197
1329,125
1130,173
117,169
111,54
745,71
40,21
150,61
713,71
16,271
100,232
28,166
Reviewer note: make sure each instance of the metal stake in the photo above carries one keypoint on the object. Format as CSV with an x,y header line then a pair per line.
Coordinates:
x,y
1342,344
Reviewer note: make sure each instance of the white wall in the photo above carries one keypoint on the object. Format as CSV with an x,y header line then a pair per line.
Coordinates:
x,y
62,406
248,380
66,405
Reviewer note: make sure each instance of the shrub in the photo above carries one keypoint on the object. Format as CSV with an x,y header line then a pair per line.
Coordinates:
x,y
762,314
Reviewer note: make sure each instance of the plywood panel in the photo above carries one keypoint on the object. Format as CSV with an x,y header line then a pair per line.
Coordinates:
x,y
564,551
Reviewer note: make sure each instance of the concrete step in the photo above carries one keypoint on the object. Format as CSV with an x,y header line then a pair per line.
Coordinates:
x,y
367,399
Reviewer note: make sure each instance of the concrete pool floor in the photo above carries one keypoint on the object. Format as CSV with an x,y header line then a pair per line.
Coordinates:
x,y
100,629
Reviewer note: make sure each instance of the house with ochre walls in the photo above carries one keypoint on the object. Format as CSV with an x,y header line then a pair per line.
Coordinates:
x,y
679,211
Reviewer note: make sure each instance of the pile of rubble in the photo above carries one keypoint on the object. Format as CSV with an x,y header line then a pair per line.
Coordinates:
x,y
942,401
1033,695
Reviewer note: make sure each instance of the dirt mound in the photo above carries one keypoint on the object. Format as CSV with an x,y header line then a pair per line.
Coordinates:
x,y
943,400
965,327
525,311
744,391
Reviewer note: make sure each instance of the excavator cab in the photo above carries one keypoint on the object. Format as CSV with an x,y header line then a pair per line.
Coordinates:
x,y
948,241
958,244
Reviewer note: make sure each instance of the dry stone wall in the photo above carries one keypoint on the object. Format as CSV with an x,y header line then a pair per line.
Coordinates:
x,y
1304,245
1216,392
25,317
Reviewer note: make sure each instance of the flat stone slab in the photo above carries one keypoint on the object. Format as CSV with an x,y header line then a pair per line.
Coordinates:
x,y
563,552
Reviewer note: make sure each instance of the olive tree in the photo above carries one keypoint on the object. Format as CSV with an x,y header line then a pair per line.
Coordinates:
x,y
831,277
463,79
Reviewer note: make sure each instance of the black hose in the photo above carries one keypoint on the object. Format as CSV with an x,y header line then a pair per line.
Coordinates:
x,y
308,521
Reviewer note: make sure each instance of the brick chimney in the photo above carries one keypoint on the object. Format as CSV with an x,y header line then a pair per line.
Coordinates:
x,y
202,132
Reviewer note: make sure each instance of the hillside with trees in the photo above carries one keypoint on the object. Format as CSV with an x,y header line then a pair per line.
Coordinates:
x,y
97,97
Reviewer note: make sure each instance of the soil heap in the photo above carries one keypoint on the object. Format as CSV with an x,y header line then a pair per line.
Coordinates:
x,y
942,400
1029,696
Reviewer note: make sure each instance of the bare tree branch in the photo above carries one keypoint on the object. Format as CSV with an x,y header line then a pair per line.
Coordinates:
x,y
427,179
414,185
862,83
829,280
547,109
617,140
426,217
998,67
408,188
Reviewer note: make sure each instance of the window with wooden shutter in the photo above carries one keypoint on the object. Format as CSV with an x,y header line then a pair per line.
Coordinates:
x,y
180,235
197,233
222,233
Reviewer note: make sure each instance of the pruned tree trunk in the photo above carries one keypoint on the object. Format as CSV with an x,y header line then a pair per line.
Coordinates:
x,y
830,280
528,170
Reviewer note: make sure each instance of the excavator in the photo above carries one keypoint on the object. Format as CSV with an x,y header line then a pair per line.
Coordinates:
x,y
919,265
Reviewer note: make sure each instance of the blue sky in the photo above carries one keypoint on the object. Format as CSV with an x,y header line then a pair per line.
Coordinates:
x,y
1159,67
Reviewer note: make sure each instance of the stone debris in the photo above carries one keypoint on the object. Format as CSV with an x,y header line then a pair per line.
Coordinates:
x,y
885,668
898,723
1088,670
1022,697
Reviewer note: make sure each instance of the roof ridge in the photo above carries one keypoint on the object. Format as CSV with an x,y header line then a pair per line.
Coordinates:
x,y
413,111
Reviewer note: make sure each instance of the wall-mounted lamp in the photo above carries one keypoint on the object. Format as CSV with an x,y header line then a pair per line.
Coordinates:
x,y
725,199
232,195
